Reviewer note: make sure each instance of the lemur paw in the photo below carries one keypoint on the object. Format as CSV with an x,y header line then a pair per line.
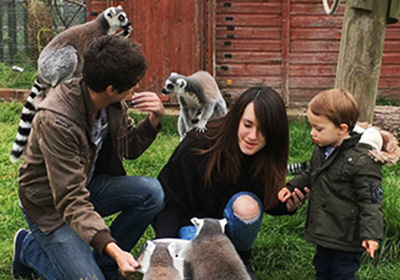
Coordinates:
x,y
201,129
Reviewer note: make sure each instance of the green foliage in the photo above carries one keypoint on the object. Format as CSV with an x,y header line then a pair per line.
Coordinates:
x,y
12,79
384,101
280,251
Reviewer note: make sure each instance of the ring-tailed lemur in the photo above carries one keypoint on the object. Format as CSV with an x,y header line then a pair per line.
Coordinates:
x,y
62,59
161,262
199,98
211,255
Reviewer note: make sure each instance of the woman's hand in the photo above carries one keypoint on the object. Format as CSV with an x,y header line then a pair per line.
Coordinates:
x,y
297,199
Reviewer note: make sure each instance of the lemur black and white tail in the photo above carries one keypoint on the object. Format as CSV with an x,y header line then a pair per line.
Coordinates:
x,y
25,123
297,167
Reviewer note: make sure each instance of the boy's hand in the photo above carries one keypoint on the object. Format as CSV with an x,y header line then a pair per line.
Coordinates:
x,y
284,194
371,246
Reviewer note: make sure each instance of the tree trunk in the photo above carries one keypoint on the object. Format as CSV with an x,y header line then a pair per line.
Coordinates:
x,y
388,118
361,49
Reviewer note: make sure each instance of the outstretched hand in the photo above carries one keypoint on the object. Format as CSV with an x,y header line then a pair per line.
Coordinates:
x,y
125,261
149,102
296,199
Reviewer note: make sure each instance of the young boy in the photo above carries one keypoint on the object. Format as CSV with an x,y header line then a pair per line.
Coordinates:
x,y
344,212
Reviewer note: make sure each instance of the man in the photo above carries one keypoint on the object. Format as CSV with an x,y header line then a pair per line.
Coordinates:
x,y
73,173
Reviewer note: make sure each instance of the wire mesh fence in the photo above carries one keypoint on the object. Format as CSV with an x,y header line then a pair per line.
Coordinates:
x,y
26,26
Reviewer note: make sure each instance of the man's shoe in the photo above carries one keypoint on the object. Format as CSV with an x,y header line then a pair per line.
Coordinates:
x,y
19,270
251,272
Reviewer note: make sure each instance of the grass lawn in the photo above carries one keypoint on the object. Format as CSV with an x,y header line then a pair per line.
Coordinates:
x,y
280,252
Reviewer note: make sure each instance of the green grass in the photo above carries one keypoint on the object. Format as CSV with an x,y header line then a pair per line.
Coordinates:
x,y
12,79
280,251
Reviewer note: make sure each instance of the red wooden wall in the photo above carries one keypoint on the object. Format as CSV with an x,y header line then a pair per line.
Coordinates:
x,y
290,45
171,34
249,40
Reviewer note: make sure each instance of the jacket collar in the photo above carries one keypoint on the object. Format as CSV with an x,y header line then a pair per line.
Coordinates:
x,y
347,144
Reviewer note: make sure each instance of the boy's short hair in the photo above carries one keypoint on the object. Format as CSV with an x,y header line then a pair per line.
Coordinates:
x,y
337,105
115,61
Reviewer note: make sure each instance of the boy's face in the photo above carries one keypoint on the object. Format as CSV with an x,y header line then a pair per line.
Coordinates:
x,y
324,132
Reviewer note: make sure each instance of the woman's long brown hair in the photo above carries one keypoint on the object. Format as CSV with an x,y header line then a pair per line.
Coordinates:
x,y
270,163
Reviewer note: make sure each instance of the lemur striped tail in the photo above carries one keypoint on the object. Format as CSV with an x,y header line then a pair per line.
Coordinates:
x,y
25,122
297,167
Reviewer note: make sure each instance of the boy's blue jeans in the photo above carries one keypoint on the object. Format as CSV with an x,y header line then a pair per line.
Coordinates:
x,y
335,265
64,255
241,233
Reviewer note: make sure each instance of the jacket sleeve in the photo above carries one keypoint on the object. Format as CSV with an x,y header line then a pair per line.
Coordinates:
x,y
368,188
303,179
279,210
60,144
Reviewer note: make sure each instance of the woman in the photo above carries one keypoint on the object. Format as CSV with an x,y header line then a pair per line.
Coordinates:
x,y
234,170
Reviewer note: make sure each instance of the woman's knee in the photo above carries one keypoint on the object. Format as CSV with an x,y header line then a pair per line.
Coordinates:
x,y
246,208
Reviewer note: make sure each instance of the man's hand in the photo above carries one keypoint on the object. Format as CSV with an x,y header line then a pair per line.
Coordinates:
x,y
149,102
371,246
297,199
126,263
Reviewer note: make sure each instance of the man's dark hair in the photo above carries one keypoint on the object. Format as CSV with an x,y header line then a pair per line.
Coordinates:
x,y
115,61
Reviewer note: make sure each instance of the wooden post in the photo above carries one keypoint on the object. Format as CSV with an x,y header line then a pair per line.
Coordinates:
x,y
361,48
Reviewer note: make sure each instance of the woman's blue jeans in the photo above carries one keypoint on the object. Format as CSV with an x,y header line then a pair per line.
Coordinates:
x,y
242,233
64,255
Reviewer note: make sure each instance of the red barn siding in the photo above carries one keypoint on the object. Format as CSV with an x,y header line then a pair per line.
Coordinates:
x,y
290,45
171,34
248,45
315,42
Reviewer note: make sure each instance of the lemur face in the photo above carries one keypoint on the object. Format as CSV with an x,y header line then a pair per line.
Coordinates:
x,y
175,83
116,18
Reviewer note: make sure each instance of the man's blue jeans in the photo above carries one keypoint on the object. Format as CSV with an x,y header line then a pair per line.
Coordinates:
x,y
64,255
241,233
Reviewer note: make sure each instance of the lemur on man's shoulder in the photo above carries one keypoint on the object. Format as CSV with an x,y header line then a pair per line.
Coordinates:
x,y
199,98
62,60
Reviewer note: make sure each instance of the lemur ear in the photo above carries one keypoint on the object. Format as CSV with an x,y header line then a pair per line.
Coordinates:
x,y
195,221
181,83
150,246
223,223
110,12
